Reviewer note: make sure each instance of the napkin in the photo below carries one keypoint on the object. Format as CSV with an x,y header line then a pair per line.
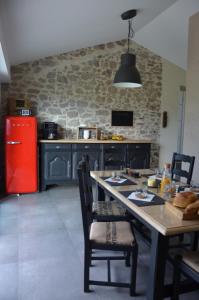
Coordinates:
x,y
115,179
149,197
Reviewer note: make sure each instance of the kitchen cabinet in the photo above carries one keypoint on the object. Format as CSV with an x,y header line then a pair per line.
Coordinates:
x,y
138,156
56,164
59,161
114,157
78,150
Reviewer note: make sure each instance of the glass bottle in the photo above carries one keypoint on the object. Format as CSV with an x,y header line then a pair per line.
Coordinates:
x,y
102,135
166,178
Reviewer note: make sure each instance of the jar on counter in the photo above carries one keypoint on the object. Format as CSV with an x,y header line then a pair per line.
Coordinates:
x,y
86,134
102,135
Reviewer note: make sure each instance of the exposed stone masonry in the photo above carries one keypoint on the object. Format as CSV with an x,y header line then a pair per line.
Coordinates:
x,y
75,88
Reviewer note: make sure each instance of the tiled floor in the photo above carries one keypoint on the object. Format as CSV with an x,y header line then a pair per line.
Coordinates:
x,y
41,251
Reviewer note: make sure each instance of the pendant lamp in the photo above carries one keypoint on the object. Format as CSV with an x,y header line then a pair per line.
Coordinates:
x,y
127,75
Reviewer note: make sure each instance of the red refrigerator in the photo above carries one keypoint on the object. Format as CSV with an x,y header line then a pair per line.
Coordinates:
x,y
21,154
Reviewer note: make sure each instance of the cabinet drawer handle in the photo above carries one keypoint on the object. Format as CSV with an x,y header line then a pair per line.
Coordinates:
x,y
113,147
86,147
68,168
58,147
137,147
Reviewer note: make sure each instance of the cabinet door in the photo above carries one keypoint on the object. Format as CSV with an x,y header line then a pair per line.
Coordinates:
x,y
58,165
138,156
114,156
93,161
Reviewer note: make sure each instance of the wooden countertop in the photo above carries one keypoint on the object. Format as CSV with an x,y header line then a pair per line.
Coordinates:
x,y
158,216
90,141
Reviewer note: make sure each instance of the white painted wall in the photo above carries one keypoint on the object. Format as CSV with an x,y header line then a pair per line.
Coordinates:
x,y
191,132
4,63
172,78
167,34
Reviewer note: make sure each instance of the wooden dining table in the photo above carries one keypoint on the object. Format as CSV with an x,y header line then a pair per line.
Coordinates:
x,y
161,221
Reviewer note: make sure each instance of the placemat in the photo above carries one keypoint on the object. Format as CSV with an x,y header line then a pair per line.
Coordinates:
x,y
156,200
126,182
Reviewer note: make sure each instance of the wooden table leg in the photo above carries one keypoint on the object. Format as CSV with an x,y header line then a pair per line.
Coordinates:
x,y
159,250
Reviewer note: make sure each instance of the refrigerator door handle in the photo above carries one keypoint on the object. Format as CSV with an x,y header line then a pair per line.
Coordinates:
x,y
13,142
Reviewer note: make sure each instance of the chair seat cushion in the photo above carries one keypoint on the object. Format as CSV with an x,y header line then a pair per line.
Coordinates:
x,y
108,208
191,258
112,233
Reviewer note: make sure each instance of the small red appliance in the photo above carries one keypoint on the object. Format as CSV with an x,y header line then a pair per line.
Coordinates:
x,y
21,154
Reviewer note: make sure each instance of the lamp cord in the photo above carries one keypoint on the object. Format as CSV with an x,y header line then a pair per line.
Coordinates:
x,y
131,33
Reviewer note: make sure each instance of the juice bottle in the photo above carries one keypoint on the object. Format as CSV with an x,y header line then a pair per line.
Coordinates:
x,y
166,178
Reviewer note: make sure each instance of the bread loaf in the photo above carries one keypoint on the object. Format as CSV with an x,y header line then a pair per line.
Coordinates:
x,y
192,208
184,199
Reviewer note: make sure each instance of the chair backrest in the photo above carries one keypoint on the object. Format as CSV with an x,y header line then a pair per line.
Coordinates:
x,y
85,158
176,167
84,190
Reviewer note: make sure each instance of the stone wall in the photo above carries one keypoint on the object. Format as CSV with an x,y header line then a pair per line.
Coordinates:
x,y
76,88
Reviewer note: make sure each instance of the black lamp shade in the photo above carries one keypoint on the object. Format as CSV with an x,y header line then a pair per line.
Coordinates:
x,y
127,75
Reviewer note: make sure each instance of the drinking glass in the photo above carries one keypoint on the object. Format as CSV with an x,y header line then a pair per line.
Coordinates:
x,y
116,175
113,174
158,172
144,188
170,190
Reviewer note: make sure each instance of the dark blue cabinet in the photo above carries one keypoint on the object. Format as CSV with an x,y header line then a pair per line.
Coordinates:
x,y
138,156
114,156
59,161
55,164
78,150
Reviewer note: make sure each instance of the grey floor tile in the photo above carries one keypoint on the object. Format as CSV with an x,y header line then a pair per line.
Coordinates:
x,y
55,244
71,224
40,223
64,208
42,247
63,193
9,207
9,281
32,209
34,199
9,225
50,279
8,249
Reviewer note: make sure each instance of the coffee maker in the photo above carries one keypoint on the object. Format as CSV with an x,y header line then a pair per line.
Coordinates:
x,y
49,131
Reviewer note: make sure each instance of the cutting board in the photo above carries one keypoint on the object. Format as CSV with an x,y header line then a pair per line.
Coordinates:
x,y
180,212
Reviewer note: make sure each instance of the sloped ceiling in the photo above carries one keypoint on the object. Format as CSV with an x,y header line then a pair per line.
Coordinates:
x,y
35,29
39,28
167,34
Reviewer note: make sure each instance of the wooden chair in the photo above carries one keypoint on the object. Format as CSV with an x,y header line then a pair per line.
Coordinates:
x,y
188,265
103,210
176,165
114,236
